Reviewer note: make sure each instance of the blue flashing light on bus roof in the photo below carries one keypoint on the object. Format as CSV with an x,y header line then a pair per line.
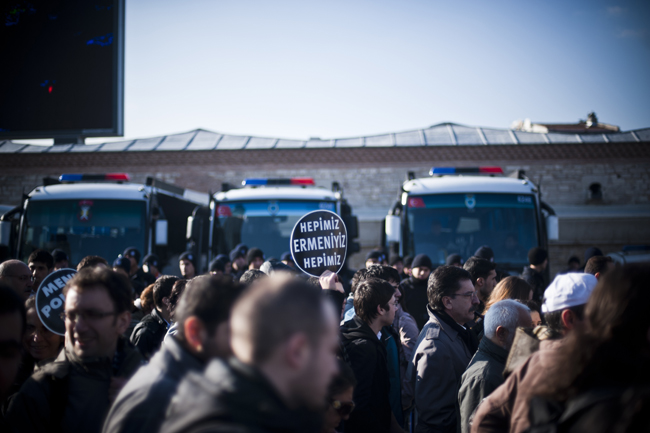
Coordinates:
x,y
465,170
254,182
93,177
279,182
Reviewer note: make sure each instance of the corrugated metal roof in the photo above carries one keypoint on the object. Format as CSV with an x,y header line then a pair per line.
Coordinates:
x,y
444,134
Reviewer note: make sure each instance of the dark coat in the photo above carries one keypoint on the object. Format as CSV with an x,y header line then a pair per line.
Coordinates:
x,y
141,405
483,375
140,280
232,397
149,333
440,360
537,282
415,299
70,394
369,361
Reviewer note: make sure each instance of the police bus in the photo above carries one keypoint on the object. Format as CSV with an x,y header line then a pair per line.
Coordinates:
x,y
263,212
458,210
102,214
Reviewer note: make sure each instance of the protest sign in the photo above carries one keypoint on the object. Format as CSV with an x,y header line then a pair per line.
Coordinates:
x,y
319,242
50,299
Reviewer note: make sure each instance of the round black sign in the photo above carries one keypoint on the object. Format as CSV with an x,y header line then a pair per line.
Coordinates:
x,y
50,300
319,242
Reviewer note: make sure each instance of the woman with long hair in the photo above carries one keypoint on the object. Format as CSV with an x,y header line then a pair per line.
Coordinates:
x,y
509,288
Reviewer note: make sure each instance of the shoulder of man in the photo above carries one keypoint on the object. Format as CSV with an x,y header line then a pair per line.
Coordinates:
x,y
151,322
432,331
406,284
210,401
360,346
41,396
484,373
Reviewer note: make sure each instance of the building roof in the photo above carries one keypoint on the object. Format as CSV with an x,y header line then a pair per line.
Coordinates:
x,y
444,134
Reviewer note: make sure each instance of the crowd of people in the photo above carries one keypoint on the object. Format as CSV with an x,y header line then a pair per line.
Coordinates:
x,y
254,345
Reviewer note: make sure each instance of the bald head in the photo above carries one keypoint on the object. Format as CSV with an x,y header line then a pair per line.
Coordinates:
x,y
17,276
286,329
270,312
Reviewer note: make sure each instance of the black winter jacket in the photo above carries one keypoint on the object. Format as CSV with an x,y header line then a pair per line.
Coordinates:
x,y
71,393
537,281
149,333
233,397
368,360
415,299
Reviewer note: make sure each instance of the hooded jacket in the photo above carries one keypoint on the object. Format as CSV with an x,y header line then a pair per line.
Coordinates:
x,y
71,393
368,359
230,396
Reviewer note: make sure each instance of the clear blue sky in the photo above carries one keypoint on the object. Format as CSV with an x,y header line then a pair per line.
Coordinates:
x,y
329,69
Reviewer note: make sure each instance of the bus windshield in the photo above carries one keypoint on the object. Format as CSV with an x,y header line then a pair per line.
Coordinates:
x,y
265,224
443,224
84,227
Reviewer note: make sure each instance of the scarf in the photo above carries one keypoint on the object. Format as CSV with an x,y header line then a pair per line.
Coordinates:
x,y
468,337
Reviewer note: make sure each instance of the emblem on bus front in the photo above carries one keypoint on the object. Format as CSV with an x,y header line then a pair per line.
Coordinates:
x,y
84,211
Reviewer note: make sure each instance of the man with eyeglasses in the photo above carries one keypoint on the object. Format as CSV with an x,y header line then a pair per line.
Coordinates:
x,y
74,392
444,349
16,275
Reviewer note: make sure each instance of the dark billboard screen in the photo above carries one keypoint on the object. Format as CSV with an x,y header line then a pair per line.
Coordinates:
x,y
62,68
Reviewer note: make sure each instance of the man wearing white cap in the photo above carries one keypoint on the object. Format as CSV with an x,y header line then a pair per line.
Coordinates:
x,y
507,408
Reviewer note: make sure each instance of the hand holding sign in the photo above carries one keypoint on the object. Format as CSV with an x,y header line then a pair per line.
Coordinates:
x,y
50,300
319,242
330,281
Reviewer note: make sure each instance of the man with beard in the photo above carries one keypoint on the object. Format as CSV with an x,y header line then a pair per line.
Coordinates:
x,y
284,341
74,393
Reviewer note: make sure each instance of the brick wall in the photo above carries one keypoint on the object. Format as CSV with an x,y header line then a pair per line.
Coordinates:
x,y
371,177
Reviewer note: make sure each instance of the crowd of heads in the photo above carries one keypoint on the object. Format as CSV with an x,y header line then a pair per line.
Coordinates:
x,y
266,315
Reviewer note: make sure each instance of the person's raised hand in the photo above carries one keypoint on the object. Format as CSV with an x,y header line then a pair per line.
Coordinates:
x,y
330,281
